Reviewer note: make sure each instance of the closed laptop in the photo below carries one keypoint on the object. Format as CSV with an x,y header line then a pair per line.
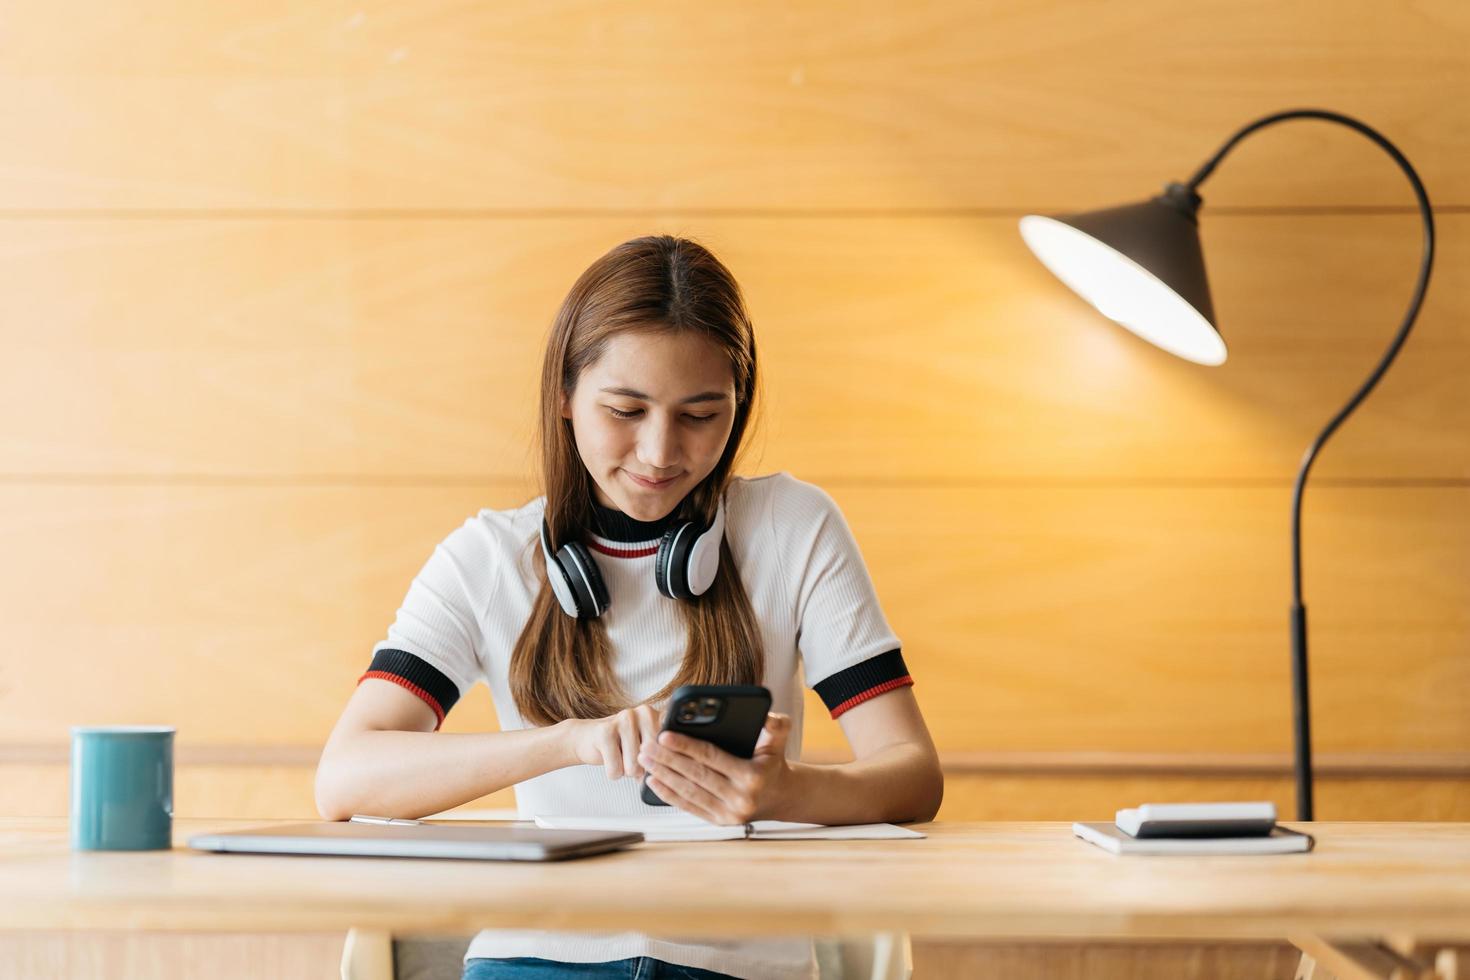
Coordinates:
x,y
421,841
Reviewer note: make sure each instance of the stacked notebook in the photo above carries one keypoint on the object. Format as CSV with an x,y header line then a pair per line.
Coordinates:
x,y
1195,828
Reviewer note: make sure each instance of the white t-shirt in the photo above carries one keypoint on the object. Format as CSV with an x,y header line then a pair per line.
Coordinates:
x,y
819,618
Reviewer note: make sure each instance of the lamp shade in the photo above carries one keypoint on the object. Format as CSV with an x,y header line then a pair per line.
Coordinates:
x,y
1141,266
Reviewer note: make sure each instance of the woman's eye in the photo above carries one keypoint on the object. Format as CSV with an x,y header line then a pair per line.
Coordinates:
x,y
620,414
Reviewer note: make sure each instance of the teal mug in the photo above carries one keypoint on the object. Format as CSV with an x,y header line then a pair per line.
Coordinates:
x,y
122,787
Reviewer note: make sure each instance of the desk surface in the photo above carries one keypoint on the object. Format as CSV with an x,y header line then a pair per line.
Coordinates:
x,y
966,879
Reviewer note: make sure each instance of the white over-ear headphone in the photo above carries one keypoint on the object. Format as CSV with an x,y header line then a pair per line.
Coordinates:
x,y
687,562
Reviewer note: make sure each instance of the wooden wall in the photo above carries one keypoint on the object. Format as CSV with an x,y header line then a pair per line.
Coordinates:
x,y
274,279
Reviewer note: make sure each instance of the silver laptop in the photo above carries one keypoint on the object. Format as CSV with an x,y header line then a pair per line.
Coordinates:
x,y
418,841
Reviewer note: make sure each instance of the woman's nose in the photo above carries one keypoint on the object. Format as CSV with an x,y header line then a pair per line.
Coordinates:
x,y
658,445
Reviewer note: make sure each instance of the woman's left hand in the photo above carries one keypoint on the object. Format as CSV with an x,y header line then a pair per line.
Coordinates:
x,y
707,781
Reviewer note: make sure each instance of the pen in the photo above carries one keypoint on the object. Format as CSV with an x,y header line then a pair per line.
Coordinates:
x,y
364,818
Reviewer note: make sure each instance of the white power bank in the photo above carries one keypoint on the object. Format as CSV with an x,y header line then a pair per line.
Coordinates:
x,y
1198,820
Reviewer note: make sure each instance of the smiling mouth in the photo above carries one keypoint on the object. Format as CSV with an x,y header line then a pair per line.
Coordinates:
x,y
645,481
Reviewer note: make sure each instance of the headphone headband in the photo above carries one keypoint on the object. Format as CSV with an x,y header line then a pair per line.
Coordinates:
x,y
687,563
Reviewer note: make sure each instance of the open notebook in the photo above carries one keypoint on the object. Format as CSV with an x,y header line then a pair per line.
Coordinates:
x,y
679,826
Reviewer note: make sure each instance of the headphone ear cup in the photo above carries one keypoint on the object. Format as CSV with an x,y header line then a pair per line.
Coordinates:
x,y
584,579
574,578
561,586
669,567
702,562
559,578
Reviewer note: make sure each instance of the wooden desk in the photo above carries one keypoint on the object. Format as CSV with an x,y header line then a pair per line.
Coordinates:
x,y
1363,881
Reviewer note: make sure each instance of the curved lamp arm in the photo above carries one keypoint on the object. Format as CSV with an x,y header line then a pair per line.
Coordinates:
x,y
1298,611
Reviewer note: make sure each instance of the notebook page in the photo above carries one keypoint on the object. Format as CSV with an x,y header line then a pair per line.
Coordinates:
x,y
674,826
680,826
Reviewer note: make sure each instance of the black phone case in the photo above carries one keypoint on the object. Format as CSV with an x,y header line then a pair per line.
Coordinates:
x,y
736,730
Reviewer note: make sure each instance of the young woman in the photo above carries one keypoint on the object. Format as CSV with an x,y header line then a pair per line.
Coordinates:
x,y
646,565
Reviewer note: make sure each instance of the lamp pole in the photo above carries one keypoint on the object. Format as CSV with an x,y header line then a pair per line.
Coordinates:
x,y
1153,247
1301,718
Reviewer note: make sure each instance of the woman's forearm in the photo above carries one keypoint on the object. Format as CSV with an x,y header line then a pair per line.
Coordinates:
x,y
411,774
901,784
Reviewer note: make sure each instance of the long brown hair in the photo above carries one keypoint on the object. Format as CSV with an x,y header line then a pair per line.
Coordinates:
x,y
562,667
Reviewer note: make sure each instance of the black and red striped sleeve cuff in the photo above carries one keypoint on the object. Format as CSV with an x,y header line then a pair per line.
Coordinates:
x,y
417,676
863,682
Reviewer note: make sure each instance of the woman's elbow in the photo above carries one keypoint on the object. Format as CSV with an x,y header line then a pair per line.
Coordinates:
x,y
918,791
331,809
331,796
932,794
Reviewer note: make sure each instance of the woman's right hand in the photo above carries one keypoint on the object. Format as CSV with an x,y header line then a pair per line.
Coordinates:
x,y
615,741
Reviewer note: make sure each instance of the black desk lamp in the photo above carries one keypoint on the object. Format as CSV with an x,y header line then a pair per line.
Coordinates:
x,y
1141,265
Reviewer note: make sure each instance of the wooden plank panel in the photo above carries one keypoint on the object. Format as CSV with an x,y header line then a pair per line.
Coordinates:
x,y
1126,619
1106,961
937,104
139,955
894,350
273,792
1028,797
298,956
245,792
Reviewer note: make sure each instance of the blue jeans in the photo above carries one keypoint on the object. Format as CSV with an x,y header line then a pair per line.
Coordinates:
x,y
637,968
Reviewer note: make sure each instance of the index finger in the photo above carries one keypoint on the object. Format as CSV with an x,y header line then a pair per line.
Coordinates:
x,y
648,721
701,751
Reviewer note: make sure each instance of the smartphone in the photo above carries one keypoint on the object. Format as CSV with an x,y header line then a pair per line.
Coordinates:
x,y
729,716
